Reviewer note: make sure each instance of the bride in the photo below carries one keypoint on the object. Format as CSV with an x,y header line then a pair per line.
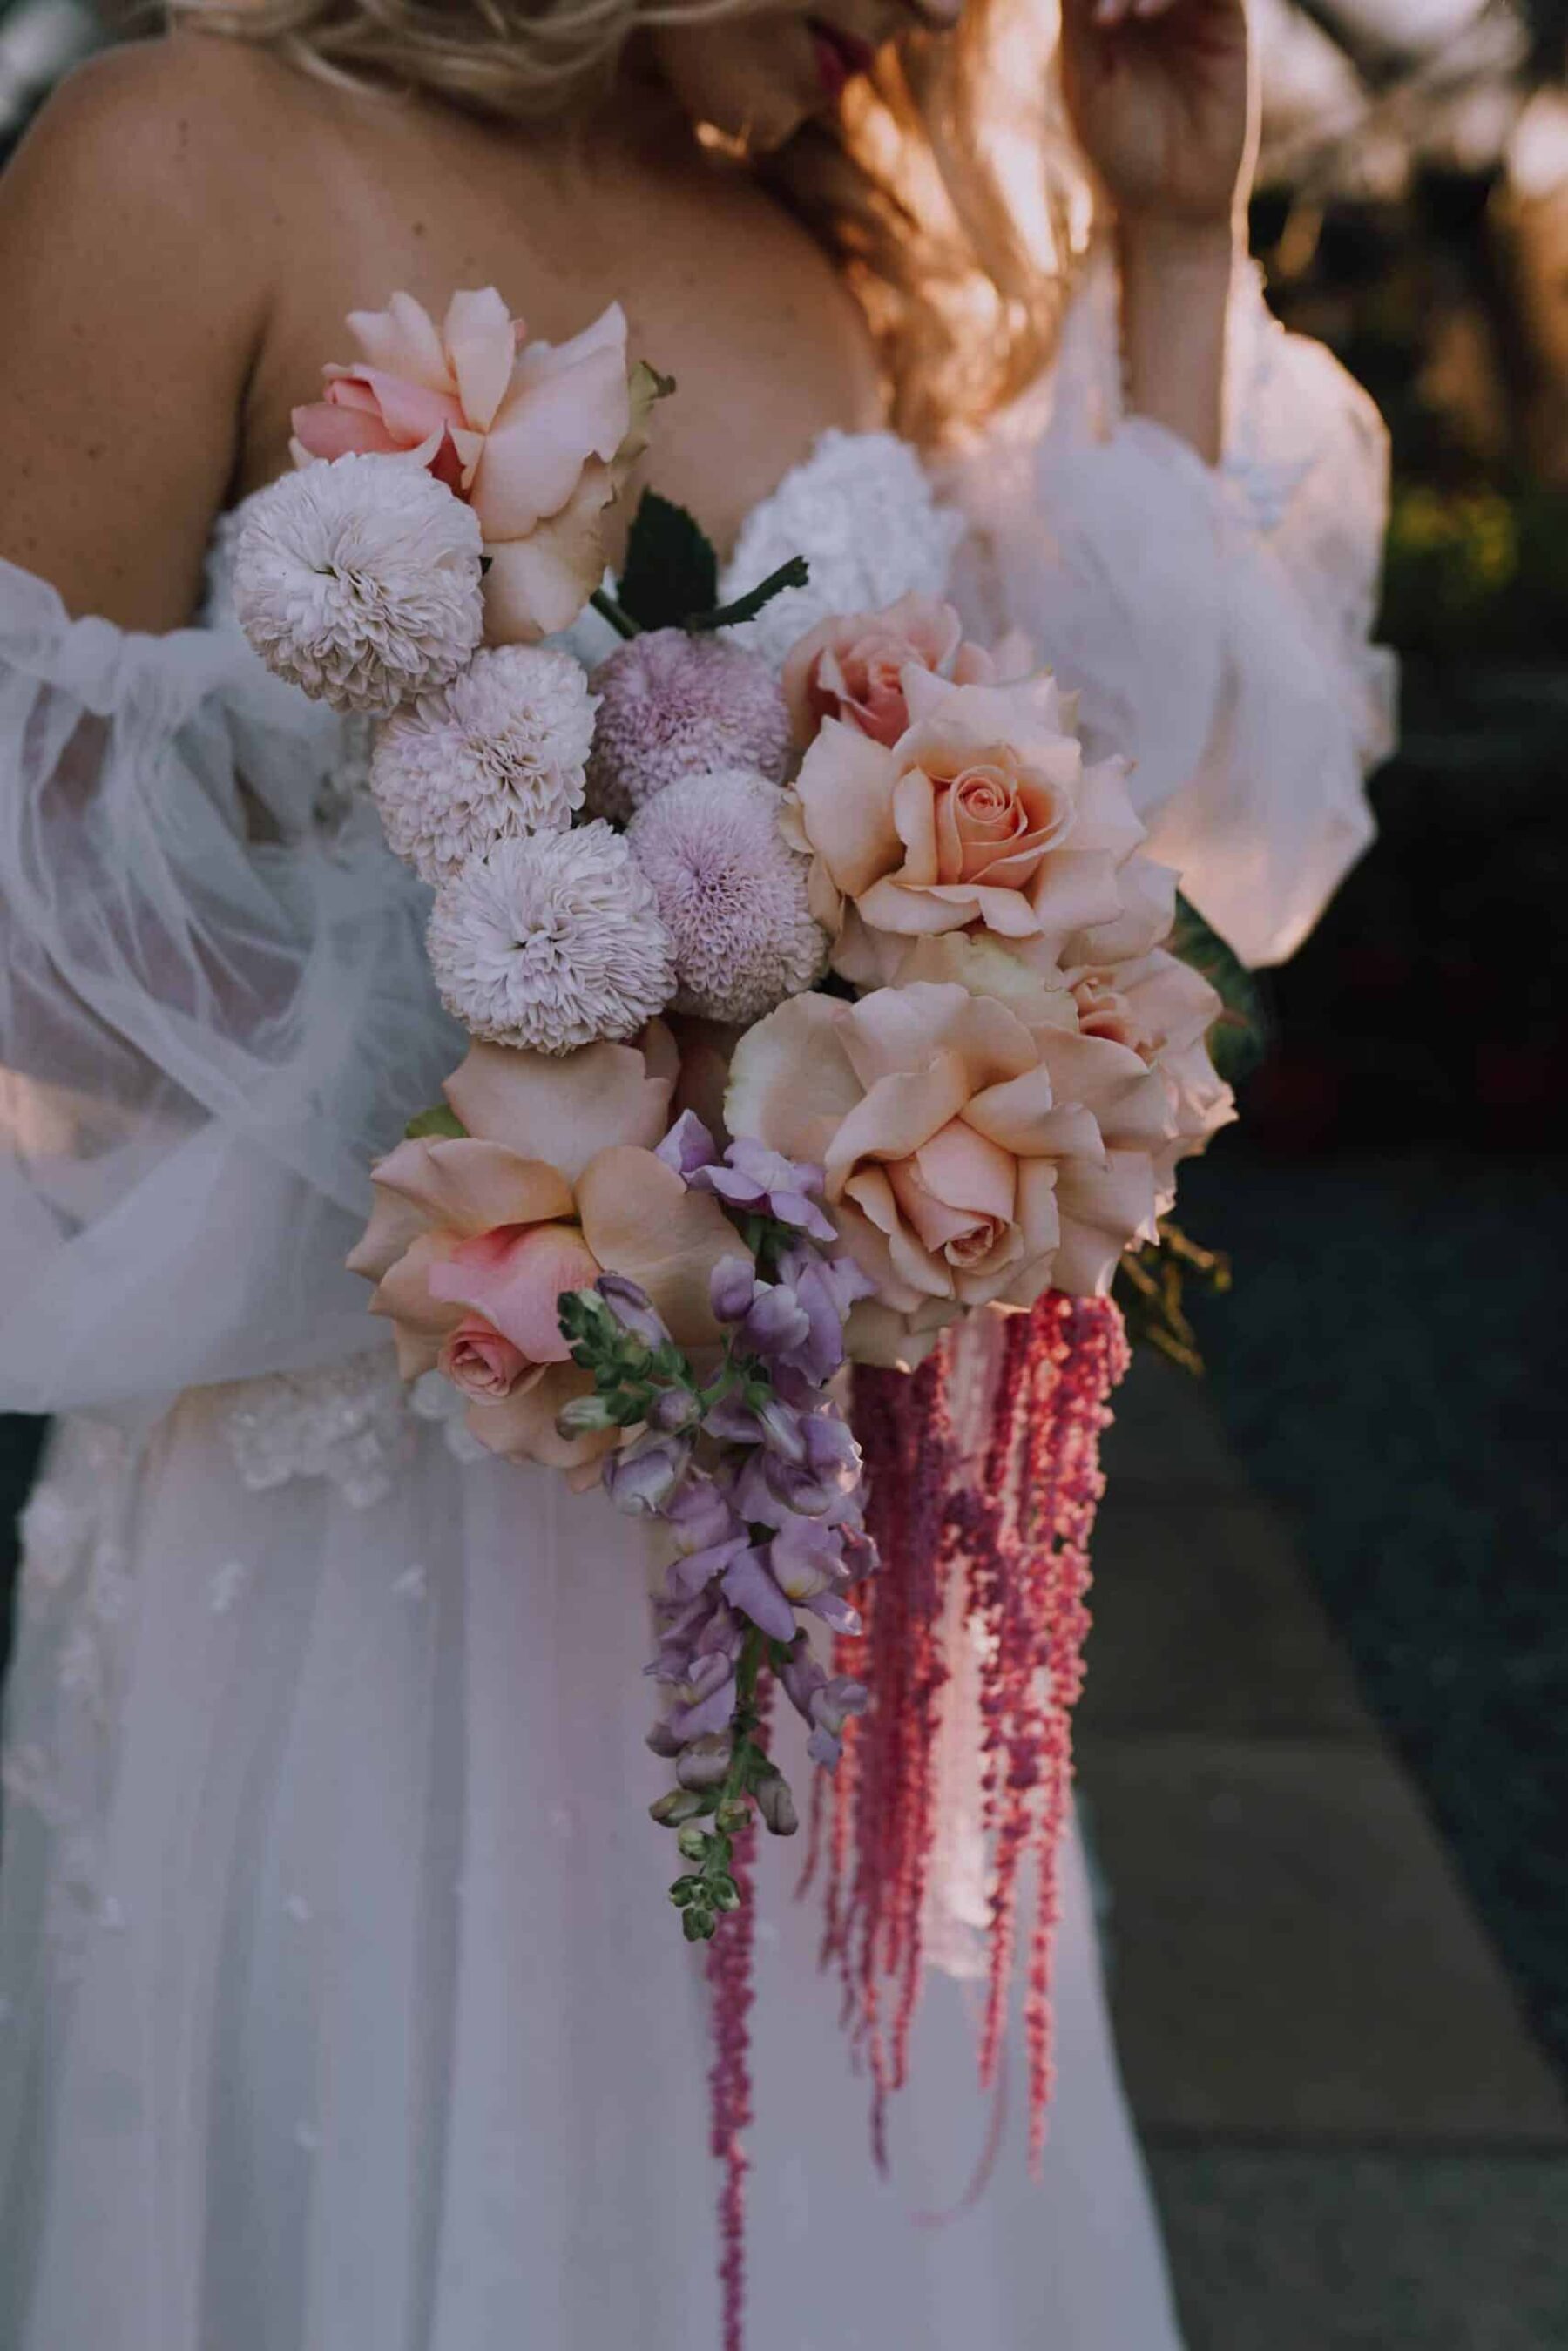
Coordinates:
x,y
338,2007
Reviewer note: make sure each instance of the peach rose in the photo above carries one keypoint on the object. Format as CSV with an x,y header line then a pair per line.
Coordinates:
x,y
971,1158
1160,1008
981,815
537,437
851,667
474,1237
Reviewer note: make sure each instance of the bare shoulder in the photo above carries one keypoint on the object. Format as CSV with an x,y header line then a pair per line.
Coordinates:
x,y
164,125
137,263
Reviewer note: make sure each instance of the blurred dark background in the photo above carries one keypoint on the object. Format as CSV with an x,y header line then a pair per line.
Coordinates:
x,y
1389,1367
1391,1361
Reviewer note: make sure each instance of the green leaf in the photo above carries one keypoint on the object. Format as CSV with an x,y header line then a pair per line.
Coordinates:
x,y
670,570
1239,1035
438,1122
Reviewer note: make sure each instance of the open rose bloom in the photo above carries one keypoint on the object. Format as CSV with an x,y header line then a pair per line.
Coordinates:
x,y
536,437
977,1153
474,1238
980,815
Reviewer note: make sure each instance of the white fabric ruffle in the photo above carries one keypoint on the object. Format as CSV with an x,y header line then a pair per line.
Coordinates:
x,y
214,1005
1215,621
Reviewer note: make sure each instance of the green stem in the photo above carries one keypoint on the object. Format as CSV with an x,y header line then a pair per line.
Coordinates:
x,y
745,1719
793,574
621,621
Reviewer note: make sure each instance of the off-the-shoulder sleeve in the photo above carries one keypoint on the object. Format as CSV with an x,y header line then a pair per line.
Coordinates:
x,y
1216,621
213,1010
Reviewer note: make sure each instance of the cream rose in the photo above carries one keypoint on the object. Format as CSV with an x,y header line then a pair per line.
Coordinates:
x,y
982,815
971,1158
536,436
474,1237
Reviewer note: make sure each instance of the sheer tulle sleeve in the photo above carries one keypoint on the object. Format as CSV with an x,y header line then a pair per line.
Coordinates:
x,y
213,1010
1216,621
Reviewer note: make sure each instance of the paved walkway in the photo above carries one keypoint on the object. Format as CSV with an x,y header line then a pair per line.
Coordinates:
x,y
1355,2140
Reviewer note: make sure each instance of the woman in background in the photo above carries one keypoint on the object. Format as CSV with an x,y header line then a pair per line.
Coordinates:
x,y
338,2007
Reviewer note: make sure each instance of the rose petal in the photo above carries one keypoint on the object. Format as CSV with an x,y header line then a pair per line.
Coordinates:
x,y
402,340
566,404
845,793
395,1223
897,1114
521,1427
481,345
411,412
564,1108
969,1171
641,1220
896,1343
405,1296
537,585
323,429
789,1082
1129,1100
514,1278
470,1186
899,1029
1102,1210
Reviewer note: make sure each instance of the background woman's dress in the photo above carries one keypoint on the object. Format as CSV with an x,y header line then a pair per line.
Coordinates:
x,y
339,2004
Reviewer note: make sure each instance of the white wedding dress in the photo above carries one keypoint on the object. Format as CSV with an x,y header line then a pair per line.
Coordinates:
x,y
340,2007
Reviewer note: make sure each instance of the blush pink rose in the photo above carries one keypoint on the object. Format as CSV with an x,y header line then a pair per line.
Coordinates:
x,y
472,1239
851,667
971,1159
982,815
537,437
480,1362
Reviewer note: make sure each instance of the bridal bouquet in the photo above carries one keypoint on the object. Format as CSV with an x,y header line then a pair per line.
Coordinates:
x,y
812,1016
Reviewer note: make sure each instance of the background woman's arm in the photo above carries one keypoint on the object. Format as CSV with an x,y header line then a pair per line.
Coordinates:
x,y
1160,94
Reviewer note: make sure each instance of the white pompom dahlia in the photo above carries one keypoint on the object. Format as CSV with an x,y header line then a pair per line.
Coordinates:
x,y
361,581
551,943
501,752
733,894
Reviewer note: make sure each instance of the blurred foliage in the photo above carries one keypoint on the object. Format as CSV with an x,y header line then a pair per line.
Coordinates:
x,y
1151,1287
1477,574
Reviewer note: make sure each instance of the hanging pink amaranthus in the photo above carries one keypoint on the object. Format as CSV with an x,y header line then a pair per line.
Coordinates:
x,y
731,1957
1016,1527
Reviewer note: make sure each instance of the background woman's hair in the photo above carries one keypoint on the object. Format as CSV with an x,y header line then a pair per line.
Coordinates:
x,y
945,191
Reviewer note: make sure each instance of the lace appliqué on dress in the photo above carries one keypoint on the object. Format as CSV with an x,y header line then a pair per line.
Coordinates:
x,y
351,1423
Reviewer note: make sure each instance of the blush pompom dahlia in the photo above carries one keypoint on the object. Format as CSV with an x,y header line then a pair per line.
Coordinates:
x,y
733,896
551,943
498,753
673,705
360,582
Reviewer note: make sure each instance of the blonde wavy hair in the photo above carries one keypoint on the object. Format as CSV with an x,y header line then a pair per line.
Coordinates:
x,y
945,191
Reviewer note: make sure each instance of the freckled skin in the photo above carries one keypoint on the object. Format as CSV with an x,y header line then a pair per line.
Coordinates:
x,y
184,232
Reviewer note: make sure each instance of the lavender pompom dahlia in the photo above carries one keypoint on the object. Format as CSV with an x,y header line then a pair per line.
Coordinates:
x,y
360,582
551,943
673,705
501,752
733,894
